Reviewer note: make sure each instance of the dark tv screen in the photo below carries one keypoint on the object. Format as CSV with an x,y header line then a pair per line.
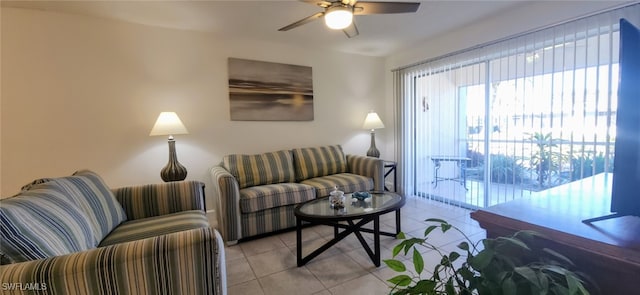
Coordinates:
x,y
625,197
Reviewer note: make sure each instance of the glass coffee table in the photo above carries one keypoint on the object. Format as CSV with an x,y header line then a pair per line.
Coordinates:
x,y
351,218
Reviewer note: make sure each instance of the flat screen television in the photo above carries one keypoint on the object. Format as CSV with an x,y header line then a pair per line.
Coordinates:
x,y
625,193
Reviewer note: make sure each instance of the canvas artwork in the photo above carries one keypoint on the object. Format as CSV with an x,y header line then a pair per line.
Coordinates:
x,y
266,91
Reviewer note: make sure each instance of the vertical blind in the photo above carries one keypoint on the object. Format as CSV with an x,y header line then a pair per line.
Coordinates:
x,y
511,118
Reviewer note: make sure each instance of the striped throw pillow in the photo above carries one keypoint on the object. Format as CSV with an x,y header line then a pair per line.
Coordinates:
x,y
267,168
319,161
42,222
95,199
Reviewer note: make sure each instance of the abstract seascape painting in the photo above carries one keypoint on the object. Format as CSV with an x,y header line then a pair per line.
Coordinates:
x,y
266,91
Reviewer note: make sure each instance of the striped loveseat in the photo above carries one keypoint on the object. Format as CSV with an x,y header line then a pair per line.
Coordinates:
x,y
257,194
74,235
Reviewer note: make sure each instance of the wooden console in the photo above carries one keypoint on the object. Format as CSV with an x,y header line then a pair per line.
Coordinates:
x,y
608,250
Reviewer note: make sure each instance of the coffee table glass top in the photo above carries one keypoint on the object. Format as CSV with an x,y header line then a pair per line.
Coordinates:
x,y
377,203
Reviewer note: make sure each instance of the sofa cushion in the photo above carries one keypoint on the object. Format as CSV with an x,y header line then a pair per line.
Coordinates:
x,y
267,168
94,198
42,222
267,221
156,226
148,200
346,182
318,161
257,198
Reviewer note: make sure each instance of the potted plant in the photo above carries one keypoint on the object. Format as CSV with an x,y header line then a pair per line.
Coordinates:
x,y
504,265
545,160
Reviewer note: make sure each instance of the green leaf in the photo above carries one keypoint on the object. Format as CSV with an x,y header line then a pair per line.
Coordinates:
x,y
418,262
436,272
576,282
544,282
448,287
482,259
424,287
509,287
463,246
398,248
528,234
502,275
466,273
489,243
556,269
515,242
444,261
429,229
396,265
400,236
446,227
559,289
453,256
572,283
410,243
438,220
558,256
528,274
583,290
401,280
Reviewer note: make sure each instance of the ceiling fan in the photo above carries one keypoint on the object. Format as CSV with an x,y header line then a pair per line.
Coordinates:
x,y
338,15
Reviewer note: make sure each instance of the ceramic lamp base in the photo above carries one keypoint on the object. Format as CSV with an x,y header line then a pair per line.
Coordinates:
x,y
373,151
174,171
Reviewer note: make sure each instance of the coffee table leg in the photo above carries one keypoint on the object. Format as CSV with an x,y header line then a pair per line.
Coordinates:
x,y
376,240
398,228
299,241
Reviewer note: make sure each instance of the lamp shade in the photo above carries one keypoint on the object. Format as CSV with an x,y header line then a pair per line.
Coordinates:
x,y
168,123
338,17
372,121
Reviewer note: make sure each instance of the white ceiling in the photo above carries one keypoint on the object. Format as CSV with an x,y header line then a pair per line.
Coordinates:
x,y
380,35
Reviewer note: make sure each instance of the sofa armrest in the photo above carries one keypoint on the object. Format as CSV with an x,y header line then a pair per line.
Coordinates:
x,y
150,200
368,166
187,262
227,203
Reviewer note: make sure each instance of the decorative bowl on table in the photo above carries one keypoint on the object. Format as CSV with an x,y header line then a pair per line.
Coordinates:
x,y
361,195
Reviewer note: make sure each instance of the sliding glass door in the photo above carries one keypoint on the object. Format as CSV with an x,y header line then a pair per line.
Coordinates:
x,y
513,118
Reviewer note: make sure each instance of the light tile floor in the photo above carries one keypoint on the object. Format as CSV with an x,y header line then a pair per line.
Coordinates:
x,y
268,265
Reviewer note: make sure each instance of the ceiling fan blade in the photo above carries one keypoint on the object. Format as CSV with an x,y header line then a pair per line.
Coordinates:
x,y
351,31
302,21
321,3
363,7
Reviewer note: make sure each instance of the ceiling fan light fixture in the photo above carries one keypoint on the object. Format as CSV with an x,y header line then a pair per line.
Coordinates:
x,y
338,17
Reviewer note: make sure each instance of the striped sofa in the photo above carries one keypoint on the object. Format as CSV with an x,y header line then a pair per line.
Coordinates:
x,y
257,194
74,235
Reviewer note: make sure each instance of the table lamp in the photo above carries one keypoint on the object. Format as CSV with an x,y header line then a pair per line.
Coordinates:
x,y
373,122
168,123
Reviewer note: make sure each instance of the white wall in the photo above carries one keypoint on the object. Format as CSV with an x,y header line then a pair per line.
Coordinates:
x,y
80,92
